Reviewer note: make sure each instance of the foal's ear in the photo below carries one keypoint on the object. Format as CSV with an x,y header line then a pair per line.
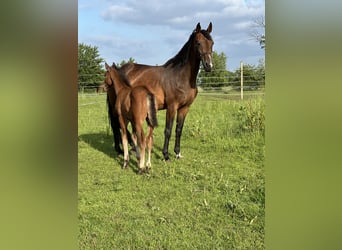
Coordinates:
x,y
198,27
107,66
210,27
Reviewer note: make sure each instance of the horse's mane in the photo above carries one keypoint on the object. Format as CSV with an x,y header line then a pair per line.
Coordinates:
x,y
183,55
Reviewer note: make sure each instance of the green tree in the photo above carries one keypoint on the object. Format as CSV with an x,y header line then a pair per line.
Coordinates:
x,y
130,60
90,70
218,77
253,76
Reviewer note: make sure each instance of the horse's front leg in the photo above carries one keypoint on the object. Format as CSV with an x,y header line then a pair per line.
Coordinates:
x,y
181,114
170,114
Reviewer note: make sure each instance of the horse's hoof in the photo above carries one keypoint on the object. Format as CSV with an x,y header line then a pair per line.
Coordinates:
x,y
179,156
141,171
166,158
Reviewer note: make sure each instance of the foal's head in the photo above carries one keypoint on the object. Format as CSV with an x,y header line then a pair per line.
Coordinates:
x,y
204,46
108,79
113,73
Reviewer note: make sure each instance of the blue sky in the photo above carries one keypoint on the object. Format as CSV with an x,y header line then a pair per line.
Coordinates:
x,y
153,31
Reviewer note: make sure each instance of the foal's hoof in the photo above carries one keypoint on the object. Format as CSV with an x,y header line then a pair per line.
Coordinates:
x,y
125,165
141,171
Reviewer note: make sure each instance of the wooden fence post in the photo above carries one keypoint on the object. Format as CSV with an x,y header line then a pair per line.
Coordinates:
x,y
241,79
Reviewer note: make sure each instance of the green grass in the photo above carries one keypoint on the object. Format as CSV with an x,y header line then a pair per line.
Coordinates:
x,y
213,198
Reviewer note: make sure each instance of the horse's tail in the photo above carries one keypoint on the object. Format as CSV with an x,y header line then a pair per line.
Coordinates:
x,y
114,123
152,110
110,112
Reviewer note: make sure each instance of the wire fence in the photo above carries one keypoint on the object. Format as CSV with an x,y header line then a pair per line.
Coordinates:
x,y
221,81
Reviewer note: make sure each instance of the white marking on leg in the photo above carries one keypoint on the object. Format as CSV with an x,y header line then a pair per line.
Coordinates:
x,y
126,154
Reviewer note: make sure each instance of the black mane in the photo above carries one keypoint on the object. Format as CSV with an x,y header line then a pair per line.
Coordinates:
x,y
183,55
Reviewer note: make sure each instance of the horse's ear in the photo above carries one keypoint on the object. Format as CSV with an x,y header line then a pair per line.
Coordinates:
x,y
107,66
198,27
210,27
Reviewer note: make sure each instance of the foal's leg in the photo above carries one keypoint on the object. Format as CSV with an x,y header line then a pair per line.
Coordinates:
x,y
149,142
135,144
181,114
170,115
123,125
141,145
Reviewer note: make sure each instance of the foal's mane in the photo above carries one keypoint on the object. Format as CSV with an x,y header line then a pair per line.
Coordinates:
x,y
182,56
122,75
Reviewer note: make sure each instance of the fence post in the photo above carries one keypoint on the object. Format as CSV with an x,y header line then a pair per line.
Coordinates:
x,y
241,79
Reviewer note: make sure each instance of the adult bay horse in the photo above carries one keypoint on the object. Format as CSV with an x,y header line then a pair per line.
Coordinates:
x,y
173,84
134,105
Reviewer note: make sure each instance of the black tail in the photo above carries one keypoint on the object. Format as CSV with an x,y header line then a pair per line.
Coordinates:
x,y
110,114
114,123
152,111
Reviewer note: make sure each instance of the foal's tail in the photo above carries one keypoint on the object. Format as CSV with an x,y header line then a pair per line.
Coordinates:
x,y
152,111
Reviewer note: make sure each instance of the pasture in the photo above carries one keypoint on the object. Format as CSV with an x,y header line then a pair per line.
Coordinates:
x,y
212,198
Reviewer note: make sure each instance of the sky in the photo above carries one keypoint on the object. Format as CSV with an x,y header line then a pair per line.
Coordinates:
x,y
153,31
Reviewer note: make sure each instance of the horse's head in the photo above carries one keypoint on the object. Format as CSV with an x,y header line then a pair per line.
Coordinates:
x,y
204,46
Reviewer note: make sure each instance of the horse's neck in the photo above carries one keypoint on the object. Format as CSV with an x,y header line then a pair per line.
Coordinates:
x,y
192,66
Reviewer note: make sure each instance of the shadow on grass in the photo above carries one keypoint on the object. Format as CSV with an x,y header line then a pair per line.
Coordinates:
x,y
104,143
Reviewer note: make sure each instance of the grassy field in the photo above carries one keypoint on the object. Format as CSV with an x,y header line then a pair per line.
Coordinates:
x,y
212,198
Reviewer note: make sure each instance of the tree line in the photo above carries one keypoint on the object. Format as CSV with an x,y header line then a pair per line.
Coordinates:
x,y
91,71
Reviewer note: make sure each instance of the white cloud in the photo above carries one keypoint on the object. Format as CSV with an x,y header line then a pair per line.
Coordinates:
x,y
182,12
117,12
166,25
243,25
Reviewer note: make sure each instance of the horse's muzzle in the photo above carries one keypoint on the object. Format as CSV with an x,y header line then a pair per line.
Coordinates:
x,y
207,66
207,62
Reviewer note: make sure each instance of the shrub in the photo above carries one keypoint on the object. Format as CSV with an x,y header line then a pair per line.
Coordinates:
x,y
250,117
